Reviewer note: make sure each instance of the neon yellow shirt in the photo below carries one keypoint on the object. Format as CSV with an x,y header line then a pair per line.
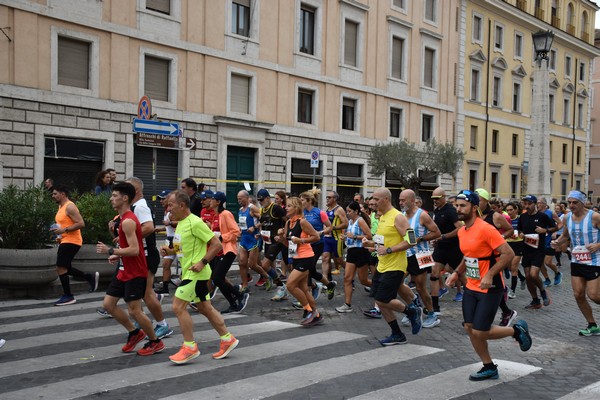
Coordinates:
x,y
391,237
191,237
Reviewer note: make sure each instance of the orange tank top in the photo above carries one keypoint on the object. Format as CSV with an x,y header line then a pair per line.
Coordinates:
x,y
64,221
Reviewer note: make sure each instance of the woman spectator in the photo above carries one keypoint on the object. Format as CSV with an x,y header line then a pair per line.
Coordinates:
x,y
103,183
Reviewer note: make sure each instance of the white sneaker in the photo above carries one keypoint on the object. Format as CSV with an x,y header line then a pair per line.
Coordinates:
x,y
511,294
281,294
2,342
405,321
344,308
431,321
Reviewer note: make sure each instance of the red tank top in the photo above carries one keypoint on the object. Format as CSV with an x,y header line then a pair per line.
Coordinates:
x,y
132,267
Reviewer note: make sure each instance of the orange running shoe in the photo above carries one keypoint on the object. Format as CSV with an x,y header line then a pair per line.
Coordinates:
x,y
185,354
226,347
132,341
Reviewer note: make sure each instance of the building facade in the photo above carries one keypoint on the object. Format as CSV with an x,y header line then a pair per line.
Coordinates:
x,y
498,61
594,177
258,85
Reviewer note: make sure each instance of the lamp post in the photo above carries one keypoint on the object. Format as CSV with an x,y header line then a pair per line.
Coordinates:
x,y
538,174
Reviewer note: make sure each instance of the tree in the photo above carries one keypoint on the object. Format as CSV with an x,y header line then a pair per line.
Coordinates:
x,y
400,161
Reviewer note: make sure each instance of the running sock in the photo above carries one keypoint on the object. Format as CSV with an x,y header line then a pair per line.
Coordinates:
x,y
436,302
513,283
395,327
521,276
489,366
162,323
189,344
504,307
134,332
307,308
544,294
64,281
226,336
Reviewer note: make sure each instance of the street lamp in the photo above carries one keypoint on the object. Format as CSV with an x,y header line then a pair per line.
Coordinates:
x,y
538,174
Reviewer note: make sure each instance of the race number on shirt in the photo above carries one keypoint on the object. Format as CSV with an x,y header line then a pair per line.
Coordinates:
x,y
472,268
378,239
582,255
292,248
532,240
242,224
266,236
177,245
425,259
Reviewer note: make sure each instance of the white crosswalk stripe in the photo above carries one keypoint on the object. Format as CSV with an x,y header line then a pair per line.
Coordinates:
x,y
590,392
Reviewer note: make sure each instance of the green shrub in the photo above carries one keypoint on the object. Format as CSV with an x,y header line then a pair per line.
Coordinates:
x,y
96,211
25,217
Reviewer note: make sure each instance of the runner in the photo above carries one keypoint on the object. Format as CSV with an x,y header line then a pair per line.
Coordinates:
x,y
333,246
169,228
374,312
130,283
194,243
548,250
582,228
357,256
391,244
533,226
68,232
516,244
486,254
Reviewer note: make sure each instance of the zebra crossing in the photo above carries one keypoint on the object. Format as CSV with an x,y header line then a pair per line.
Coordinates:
x,y
70,352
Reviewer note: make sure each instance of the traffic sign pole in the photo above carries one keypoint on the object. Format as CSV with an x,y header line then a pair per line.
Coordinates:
x,y
314,163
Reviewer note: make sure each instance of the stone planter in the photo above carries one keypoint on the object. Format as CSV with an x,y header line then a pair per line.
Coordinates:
x,y
87,260
27,267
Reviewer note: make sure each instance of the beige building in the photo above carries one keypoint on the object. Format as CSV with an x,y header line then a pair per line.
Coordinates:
x,y
257,84
594,177
496,117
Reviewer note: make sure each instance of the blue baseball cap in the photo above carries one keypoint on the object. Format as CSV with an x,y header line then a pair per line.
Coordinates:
x,y
207,194
530,198
220,196
163,194
262,194
470,196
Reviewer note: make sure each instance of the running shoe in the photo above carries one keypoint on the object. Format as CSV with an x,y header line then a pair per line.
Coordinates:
x,y
393,340
417,300
534,305
442,292
133,340
243,290
547,282
431,321
65,300
523,284
316,291
160,297
230,310
523,336
297,305
176,281
281,294
93,281
269,284
226,347
511,294
416,320
405,321
261,282
344,308
546,298
485,373
243,302
250,278
2,342
318,320
372,313
214,292
162,288
185,354
508,318
437,312
162,331
331,291
458,297
558,278
412,285
151,348
309,317
367,289
336,271
102,312
591,331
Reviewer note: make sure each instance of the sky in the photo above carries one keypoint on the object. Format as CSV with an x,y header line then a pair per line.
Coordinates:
x,y
598,16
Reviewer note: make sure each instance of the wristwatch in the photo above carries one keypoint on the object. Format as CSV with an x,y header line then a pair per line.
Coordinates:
x,y
388,250
111,251
204,261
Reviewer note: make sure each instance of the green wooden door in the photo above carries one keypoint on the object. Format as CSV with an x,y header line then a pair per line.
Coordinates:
x,y
240,167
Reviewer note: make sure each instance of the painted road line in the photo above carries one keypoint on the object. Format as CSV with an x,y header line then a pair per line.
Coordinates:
x,y
450,384
590,392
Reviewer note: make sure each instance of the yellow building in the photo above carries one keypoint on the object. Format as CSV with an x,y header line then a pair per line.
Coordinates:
x,y
498,65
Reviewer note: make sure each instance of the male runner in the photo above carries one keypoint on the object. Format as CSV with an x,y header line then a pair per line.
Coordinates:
x,y
333,245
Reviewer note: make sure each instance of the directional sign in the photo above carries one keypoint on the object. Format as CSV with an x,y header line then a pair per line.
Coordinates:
x,y
155,127
314,159
190,143
154,140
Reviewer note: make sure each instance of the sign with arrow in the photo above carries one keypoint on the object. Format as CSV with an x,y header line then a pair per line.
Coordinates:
x,y
155,127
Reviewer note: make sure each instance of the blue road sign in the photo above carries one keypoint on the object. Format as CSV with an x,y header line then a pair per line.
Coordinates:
x,y
156,127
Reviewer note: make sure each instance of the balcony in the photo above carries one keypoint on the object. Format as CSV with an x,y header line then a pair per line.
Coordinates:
x,y
571,29
539,13
522,5
555,22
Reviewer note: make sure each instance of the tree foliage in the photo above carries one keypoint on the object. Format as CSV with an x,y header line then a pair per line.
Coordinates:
x,y
401,160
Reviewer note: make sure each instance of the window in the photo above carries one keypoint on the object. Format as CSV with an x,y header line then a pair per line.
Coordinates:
x,y
348,178
551,107
307,29
399,3
568,66
494,185
161,6
395,122
348,114
578,184
563,187
474,135
514,185
499,37
428,67
552,60
580,115
350,43
431,10
582,71
565,148
305,106
240,17
472,179
240,93
156,78
578,155
497,91
495,135
475,85
477,28
302,175
518,45
515,145
566,111
397,57
426,127
516,101
73,62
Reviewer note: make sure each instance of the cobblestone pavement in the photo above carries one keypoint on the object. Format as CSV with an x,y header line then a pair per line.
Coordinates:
x,y
71,352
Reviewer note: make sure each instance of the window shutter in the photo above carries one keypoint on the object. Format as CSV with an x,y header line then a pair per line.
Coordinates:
x,y
73,62
240,94
162,6
428,68
397,46
350,42
156,78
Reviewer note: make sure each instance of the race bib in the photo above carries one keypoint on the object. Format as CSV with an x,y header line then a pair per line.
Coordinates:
x,y
532,240
242,224
292,248
177,245
266,236
472,268
515,234
378,239
582,255
425,259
